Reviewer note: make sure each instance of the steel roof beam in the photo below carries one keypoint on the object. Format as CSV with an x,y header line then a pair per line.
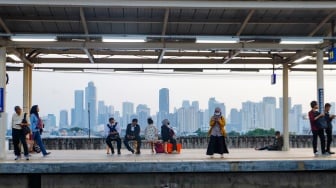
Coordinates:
x,y
242,27
253,46
320,25
86,31
294,5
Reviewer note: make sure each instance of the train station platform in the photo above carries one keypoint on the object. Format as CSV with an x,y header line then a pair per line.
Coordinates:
x,y
191,167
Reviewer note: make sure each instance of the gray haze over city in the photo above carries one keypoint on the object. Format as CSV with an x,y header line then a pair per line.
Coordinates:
x,y
54,91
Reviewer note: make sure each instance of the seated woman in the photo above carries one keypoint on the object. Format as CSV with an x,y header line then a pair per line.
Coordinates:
x,y
151,133
167,134
277,143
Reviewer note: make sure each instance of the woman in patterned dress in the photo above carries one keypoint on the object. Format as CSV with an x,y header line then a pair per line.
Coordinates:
x,y
151,133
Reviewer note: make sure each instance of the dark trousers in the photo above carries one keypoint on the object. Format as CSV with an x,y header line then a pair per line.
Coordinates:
x,y
138,139
109,140
172,141
329,138
320,134
18,137
269,148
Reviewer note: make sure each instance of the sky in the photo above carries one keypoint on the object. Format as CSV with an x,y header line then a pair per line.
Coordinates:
x,y
54,91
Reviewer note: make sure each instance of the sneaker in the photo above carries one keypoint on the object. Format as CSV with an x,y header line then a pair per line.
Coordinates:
x,y
211,156
330,152
119,153
221,156
137,153
48,153
325,153
17,157
27,157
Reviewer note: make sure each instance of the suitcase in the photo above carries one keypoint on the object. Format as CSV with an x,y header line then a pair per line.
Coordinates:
x,y
159,147
170,147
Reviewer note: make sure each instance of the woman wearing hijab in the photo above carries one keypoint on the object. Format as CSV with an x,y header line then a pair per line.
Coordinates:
x,y
217,134
36,126
167,134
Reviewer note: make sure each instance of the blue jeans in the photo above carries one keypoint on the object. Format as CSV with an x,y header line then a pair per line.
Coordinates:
x,y
38,140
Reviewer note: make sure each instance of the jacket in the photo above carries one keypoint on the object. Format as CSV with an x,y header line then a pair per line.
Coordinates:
x,y
221,123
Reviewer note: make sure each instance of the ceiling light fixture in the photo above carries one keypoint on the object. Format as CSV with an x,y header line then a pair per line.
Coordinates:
x,y
301,41
216,39
124,39
33,38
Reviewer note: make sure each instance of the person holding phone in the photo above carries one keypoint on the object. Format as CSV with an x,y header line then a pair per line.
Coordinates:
x,y
217,135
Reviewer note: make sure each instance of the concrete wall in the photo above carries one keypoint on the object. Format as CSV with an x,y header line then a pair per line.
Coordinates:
x,y
176,180
302,141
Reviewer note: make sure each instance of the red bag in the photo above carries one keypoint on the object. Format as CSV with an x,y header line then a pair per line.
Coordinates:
x,y
159,147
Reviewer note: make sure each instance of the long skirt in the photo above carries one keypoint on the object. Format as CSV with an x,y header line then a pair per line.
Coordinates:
x,y
217,145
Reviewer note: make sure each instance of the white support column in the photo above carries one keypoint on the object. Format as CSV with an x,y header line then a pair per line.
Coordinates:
x,y
3,115
320,79
285,110
26,88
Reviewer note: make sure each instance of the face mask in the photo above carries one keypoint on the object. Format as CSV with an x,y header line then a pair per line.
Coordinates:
x,y
217,113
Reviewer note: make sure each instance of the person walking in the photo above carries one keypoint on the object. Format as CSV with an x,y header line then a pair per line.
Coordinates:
x,y
328,130
18,134
313,115
36,126
151,133
112,130
133,133
217,135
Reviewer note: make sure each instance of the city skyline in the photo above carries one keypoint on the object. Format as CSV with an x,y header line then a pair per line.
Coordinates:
x,y
232,89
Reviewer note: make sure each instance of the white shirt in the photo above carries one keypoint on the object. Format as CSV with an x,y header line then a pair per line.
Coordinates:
x,y
16,119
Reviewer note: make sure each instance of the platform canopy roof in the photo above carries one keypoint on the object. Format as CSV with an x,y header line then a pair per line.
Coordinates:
x,y
135,34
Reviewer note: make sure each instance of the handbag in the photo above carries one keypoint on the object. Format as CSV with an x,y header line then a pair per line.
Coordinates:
x,y
321,123
24,126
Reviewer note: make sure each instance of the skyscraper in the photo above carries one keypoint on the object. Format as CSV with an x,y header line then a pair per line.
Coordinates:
x,y
269,109
164,100
143,112
163,105
63,123
91,106
79,109
128,111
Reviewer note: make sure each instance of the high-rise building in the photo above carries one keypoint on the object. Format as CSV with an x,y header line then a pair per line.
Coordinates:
x,y
128,112
63,123
73,117
164,100
212,104
252,116
78,120
91,106
269,110
236,120
104,112
142,112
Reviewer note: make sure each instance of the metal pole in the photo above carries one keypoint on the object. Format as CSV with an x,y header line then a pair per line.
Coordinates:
x,y
3,114
285,110
89,120
320,79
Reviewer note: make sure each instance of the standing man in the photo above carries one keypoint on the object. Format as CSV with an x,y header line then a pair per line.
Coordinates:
x,y
328,130
112,130
133,133
313,115
17,134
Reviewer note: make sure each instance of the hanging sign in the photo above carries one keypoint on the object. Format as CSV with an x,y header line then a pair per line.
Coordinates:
x,y
331,55
2,100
